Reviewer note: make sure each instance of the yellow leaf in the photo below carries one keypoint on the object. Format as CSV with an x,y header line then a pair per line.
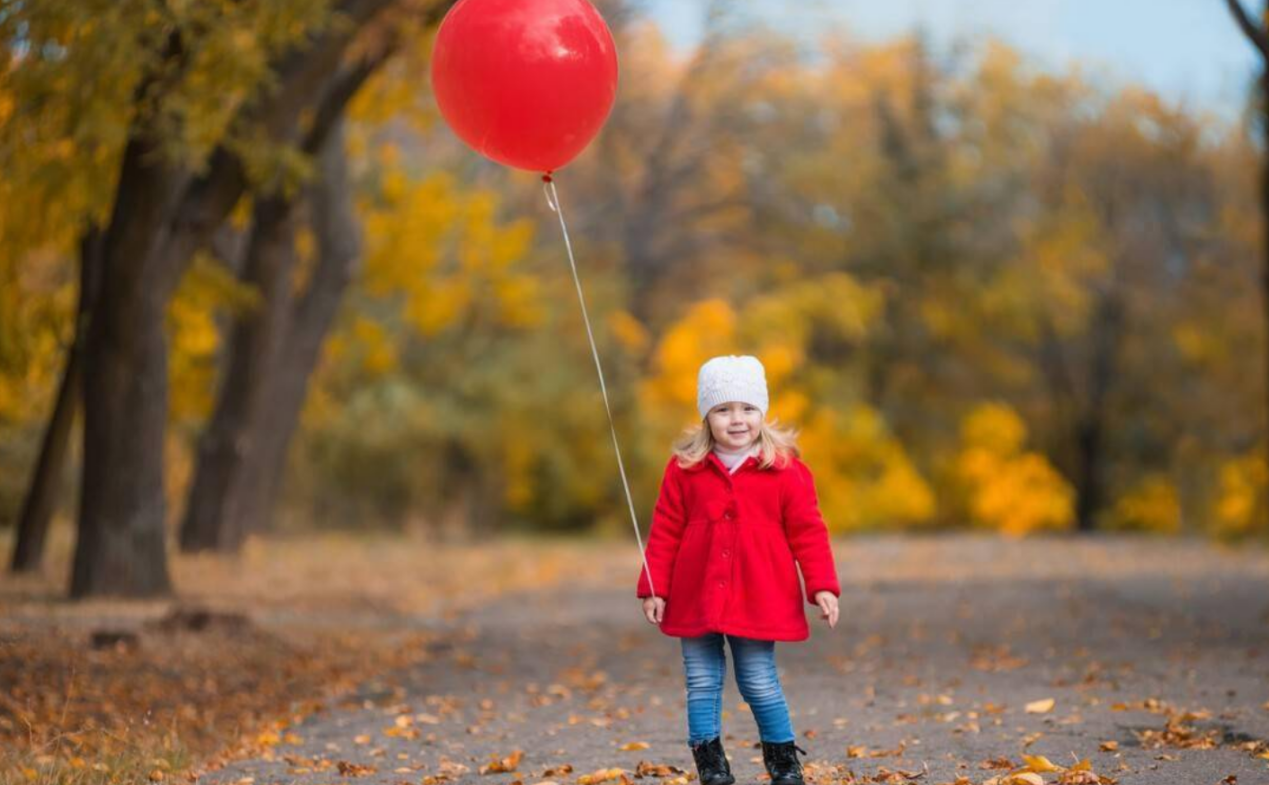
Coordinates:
x,y
1040,706
602,775
498,766
268,738
1039,763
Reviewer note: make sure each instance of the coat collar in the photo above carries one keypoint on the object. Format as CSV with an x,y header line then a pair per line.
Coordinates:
x,y
713,460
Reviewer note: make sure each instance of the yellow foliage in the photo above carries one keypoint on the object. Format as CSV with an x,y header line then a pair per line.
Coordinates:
x,y
319,405
240,215
519,455
864,476
211,283
37,306
1199,344
432,308
389,156
629,331
791,405
707,330
867,479
835,303
395,92
995,428
779,358
776,328
305,258
520,300
439,250
206,290
1239,508
193,341
1008,489
26,392
1151,505
374,346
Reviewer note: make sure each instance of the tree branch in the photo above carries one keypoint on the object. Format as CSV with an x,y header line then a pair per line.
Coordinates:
x,y
343,86
1254,32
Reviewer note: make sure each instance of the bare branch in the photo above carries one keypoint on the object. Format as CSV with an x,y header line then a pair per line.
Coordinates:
x,y
1254,32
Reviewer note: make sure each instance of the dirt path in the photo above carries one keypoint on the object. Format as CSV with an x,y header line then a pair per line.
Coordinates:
x,y
943,643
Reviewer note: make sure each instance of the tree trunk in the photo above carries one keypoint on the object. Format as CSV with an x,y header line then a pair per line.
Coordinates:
x,y
242,454
1255,32
41,497
1264,228
161,216
211,515
1090,480
121,548
338,247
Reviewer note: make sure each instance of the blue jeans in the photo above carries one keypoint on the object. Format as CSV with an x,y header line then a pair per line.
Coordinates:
x,y
705,665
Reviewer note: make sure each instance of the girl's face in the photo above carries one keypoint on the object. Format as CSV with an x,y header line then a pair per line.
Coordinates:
x,y
735,425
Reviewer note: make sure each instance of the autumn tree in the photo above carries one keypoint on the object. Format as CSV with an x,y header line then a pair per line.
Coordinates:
x,y
990,295
1257,33
188,155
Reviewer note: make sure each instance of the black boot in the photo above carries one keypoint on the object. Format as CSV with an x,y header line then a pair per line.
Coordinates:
x,y
711,762
781,758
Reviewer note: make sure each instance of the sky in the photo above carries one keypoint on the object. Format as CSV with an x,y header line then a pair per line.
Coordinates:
x,y
1189,51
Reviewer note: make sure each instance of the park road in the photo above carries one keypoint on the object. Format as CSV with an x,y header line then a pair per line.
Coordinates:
x,y
954,657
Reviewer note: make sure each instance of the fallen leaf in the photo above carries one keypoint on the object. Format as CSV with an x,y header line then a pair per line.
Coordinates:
x,y
1040,764
646,769
602,775
502,765
347,769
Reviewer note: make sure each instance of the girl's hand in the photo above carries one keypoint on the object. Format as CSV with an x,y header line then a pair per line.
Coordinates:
x,y
828,606
653,609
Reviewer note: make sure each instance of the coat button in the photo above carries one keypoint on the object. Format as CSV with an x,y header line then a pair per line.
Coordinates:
x,y
728,515
725,552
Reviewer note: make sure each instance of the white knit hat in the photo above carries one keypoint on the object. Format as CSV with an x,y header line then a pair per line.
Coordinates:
x,y
731,378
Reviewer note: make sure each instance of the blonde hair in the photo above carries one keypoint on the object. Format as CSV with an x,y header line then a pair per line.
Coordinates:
x,y
777,445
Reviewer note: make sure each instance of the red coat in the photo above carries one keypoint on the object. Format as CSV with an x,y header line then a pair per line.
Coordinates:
x,y
722,548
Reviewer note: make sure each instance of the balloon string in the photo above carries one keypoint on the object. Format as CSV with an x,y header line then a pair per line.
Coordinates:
x,y
553,199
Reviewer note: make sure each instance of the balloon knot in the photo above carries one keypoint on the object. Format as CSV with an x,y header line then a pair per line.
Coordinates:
x,y
546,178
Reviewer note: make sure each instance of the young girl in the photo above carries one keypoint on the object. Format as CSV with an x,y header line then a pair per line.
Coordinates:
x,y
737,507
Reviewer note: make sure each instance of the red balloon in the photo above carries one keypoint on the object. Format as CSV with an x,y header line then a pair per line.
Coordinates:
x,y
527,83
